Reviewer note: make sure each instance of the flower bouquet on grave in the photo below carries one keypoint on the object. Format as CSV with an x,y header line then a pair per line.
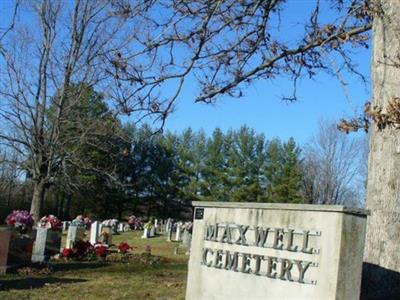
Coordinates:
x,y
188,226
78,221
82,249
50,222
124,247
20,220
101,251
81,221
87,222
135,223
67,253
104,237
148,225
112,223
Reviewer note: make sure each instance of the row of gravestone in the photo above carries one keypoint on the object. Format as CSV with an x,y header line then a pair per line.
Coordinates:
x,y
19,249
42,243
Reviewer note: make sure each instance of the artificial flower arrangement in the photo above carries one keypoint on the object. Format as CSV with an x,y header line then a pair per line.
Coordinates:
x,y
101,250
106,236
135,223
51,222
78,221
148,225
82,250
21,220
124,247
110,223
87,221
81,221
188,226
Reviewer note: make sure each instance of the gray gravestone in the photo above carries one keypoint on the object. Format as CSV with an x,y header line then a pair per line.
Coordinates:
x,y
75,233
152,231
48,243
15,249
5,237
186,239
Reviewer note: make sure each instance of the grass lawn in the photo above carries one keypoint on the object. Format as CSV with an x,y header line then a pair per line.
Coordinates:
x,y
94,280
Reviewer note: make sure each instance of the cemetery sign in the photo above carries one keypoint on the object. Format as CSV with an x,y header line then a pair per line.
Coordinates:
x,y
275,251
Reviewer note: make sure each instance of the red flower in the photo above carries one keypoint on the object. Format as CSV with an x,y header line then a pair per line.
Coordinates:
x,y
82,248
101,250
124,247
67,253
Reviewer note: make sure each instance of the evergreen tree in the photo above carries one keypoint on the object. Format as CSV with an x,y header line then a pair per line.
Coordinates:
x,y
282,172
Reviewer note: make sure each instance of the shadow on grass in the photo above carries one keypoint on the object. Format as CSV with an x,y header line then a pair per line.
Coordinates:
x,y
145,269
34,283
76,266
379,283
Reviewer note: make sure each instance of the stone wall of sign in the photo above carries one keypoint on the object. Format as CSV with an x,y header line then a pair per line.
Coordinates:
x,y
275,251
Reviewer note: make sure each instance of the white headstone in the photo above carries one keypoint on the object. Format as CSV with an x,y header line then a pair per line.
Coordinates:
x,y
169,235
178,231
152,231
94,232
169,225
186,239
121,227
275,251
145,234
156,225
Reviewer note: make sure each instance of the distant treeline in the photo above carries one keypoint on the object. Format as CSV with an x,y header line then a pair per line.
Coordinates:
x,y
103,168
160,174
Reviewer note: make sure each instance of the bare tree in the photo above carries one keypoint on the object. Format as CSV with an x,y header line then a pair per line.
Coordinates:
x,y
332,167
9,175
61,45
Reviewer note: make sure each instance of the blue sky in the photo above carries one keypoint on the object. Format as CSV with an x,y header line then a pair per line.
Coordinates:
x,y
261,107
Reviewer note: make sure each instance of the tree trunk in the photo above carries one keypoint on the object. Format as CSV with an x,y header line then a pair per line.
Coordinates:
x,y
67,213
37,200
382,253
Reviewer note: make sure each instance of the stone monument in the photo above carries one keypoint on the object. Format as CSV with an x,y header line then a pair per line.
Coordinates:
x,y
146,233
275,251
94,232
106,235
47,243
178,232
75,233
15,249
